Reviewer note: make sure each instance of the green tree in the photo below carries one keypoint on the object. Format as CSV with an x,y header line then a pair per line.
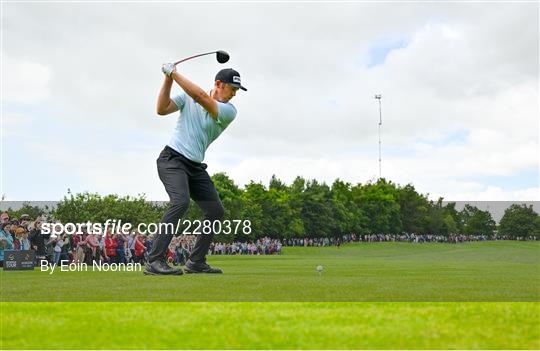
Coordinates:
x,y
229,193
231,198
317,210
33,211
452,219
253,196
434,221
477,222
348,217
296,192
305,208
520,221
413,209
84,207
450,224
378,202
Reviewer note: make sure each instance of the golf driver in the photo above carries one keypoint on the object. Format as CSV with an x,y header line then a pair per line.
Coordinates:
x,y
221,56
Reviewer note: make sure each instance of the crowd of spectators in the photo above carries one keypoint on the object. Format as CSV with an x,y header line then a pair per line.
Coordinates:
x,y
430,238
182,245
262,246
320,241
87,248
18,234
25,234
179,249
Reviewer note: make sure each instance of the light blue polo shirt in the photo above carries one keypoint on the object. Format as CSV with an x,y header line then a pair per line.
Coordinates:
x,y
195,129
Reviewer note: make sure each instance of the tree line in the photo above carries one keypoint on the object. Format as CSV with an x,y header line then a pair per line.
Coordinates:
x,y
308,208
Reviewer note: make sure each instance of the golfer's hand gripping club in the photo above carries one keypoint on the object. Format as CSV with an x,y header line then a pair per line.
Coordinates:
x,y
168,68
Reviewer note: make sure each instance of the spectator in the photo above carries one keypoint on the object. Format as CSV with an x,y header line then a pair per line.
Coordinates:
x,y
19,241
120,248
91,252
25,242
102,257
131,245
37,240
6,240
148,243
59,243
4,218
138,250
110,248
79,244
24,220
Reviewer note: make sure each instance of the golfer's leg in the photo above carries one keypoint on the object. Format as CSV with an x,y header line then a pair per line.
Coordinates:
x,y
175,181
205,195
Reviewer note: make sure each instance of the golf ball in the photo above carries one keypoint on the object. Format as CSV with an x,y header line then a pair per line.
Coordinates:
x,y
319,268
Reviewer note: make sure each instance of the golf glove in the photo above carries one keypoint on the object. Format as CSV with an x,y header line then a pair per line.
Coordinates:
x,y
168,68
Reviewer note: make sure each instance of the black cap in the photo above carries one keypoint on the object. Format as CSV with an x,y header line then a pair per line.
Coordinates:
x,y
230,76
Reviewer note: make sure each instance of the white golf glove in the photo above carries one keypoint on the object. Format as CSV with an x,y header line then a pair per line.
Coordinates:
x,y
168,69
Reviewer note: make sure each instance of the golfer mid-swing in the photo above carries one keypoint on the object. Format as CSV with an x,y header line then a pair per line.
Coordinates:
x,y
203,117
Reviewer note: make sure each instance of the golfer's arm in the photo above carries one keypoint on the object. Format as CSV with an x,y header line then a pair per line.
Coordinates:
x,y
164,103
197,94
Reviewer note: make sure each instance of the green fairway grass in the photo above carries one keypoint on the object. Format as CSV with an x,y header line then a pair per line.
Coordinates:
x,y
481,295
478,271
266,325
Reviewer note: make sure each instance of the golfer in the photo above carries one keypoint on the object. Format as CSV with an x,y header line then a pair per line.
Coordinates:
x,y
203,117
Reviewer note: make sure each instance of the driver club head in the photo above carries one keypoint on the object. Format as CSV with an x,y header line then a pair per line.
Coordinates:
x,y
222,56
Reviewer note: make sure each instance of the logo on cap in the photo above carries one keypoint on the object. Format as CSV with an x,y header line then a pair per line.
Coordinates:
x,y
230,76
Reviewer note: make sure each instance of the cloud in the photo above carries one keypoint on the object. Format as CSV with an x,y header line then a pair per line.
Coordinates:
x,y
26,82
480,192
309,110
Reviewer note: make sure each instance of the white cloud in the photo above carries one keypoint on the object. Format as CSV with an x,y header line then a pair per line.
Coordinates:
x,y
26,82
480,192
309,110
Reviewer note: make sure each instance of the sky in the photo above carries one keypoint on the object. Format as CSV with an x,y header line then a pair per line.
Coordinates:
x,y
459,85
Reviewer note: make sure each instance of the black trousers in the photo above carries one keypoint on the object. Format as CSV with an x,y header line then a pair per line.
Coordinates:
x,y
183,179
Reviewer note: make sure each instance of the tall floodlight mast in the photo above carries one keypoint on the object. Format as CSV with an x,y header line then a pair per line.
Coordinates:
x,y
379,97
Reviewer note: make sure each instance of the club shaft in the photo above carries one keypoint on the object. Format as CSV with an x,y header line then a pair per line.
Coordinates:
x,y
189,58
